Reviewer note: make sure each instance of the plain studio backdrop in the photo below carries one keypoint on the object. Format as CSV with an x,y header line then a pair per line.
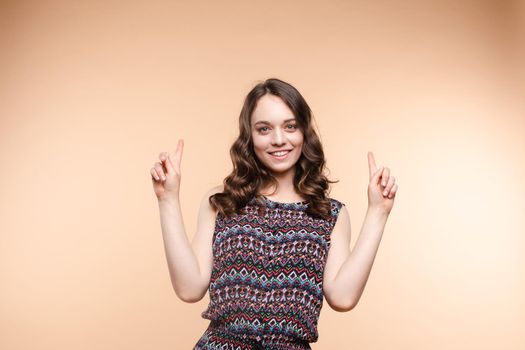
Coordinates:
x,y
92,91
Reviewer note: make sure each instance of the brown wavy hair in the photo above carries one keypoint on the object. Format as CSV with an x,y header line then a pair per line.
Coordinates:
x,y
249,175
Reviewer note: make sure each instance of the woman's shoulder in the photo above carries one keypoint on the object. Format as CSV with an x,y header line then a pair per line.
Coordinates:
x,y
336,206
206,198
336,202
214,190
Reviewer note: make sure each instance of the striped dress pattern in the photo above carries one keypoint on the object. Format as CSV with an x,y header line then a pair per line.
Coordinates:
x,y
266,286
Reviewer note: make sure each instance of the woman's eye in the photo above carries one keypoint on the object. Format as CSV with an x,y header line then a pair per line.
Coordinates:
x,y
289,126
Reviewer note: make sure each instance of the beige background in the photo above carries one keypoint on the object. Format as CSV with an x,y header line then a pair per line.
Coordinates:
x,y
92,91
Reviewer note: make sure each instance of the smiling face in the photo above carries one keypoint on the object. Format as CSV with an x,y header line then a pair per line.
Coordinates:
x,y
274,128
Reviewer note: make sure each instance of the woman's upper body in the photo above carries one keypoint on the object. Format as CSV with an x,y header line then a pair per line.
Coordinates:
x,y
272,121
337,253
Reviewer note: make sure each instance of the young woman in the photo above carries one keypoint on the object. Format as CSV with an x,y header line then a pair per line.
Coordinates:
x,y
270,243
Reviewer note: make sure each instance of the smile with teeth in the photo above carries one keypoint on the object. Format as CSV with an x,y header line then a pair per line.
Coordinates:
x,y
280,154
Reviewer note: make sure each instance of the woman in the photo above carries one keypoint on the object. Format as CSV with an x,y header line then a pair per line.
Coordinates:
x,y
270,243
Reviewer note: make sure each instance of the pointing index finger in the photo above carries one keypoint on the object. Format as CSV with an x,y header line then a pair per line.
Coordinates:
x,y
178,154
371,164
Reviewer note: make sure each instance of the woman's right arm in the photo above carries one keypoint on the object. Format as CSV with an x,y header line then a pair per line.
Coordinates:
x,y
189,265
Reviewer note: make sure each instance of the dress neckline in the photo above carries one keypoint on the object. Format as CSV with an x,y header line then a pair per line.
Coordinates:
x,y
300,203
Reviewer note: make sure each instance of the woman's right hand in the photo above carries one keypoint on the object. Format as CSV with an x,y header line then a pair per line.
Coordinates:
x,y
165,174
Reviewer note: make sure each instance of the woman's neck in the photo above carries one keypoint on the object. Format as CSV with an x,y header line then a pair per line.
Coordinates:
x,y
285,190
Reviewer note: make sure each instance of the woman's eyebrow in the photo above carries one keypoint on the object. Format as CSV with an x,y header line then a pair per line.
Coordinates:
x,y
265,122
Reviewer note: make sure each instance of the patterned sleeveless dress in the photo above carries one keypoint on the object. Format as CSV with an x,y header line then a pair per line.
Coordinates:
x,y
266,286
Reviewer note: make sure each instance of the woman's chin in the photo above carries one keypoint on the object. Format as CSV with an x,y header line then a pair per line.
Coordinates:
x,y
279,169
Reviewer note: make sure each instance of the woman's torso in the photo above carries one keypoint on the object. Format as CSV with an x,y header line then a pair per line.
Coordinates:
x,y
267,278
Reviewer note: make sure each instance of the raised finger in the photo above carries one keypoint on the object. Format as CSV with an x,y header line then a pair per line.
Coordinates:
x,y
371,164
178,155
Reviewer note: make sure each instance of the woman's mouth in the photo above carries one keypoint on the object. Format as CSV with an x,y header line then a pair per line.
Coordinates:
x,y
280,155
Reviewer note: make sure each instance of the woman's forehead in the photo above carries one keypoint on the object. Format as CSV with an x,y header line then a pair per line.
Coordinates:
x,y
271,109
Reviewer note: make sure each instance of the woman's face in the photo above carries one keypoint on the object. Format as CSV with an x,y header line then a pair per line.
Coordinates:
x,y
274,128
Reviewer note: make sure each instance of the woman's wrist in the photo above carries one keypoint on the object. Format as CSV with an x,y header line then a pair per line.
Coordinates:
x,y
170,199
378,210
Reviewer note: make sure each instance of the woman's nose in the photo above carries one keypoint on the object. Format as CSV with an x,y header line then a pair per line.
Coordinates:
x,y
277,138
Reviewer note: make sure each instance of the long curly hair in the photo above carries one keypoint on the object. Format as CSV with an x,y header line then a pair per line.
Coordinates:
x,y
250,175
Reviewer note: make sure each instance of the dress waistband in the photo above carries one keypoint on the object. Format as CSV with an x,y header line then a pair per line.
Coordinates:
x,y
259,340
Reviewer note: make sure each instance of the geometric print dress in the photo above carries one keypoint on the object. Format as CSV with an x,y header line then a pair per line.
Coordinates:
x,y
266,286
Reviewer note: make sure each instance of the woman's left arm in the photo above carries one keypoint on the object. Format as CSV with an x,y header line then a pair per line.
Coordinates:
x,y
346,273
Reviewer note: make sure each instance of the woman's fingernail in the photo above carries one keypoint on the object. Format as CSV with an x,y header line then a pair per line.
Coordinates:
x,y
385,193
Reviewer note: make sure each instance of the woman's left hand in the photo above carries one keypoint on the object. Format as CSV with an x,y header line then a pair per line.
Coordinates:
x,y
382,187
